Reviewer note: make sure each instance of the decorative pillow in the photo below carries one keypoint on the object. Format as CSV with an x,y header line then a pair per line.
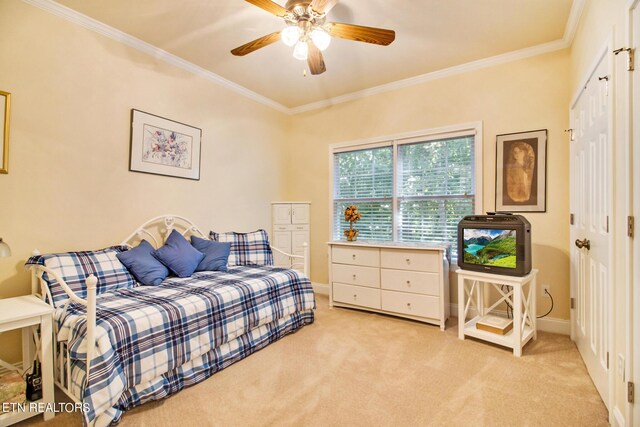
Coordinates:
x,y
147,269
216,254
75,267
179,255
247,248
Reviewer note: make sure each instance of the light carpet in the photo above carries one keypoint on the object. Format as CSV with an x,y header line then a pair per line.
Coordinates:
x,y
361,369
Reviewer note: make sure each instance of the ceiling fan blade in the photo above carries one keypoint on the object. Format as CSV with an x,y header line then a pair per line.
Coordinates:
x,y
362,34
270,7
256,44
323,6
315,60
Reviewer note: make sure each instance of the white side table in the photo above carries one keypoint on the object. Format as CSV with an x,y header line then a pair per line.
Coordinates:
x,y
471,289
24,313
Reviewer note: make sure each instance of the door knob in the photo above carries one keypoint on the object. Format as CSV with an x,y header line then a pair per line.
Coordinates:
x,y
583,244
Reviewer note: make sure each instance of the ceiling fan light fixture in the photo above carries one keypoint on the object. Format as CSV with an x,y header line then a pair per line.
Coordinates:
x,y
290,35
301,51
320,38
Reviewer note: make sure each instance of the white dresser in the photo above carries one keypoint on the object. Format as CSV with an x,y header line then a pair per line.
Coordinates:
x,y
401,279
290,229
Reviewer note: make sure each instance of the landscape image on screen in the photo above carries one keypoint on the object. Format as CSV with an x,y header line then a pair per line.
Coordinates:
x,y
490,247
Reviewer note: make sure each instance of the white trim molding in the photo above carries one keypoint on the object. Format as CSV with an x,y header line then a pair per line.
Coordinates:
x,y
546,324
618,418
91,24
160,54
320,288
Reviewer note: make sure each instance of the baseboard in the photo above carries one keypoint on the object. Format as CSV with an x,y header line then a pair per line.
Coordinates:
x,y
547,324
618,418
320,288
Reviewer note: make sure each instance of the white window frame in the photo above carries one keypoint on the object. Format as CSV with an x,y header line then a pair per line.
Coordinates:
x,y
465,129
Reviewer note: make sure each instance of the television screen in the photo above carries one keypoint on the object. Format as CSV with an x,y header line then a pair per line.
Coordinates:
x,y
490,247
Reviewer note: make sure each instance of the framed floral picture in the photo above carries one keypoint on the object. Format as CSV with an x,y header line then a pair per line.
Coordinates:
x,y
521,172
5,110
164,147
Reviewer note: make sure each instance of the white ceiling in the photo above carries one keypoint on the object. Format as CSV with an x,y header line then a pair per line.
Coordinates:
x,y
431,35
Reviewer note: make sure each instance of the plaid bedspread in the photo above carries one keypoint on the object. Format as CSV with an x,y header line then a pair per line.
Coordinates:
x,y
151,332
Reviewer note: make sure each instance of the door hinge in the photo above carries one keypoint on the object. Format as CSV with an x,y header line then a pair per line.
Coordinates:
x,y
631,53
631,226
631,392
573,303
572,219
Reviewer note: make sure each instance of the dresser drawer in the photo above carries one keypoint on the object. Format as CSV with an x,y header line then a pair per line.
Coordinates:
x,y
410,281
356,295
406,259
369,257
356,275
411,304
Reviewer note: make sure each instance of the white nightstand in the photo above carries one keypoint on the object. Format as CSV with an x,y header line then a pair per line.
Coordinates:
x,y
24,313
524,322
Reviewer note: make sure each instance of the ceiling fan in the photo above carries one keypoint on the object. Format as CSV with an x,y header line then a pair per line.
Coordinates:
x,y
307,30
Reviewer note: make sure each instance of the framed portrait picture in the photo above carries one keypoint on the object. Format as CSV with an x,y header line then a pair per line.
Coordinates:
x,y
521,172
164,147
5,110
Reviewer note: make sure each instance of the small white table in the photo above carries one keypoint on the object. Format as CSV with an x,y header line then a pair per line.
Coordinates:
x,y
471,289
24,313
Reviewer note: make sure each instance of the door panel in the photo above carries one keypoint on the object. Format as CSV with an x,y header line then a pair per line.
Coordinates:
x,y
281,214
591,206
282,241
300,214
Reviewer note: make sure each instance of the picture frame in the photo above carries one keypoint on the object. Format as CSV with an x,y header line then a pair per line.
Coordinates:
x,y
161,146
521,172
5,117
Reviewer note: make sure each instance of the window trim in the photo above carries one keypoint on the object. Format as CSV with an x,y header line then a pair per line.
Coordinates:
x,y
464,129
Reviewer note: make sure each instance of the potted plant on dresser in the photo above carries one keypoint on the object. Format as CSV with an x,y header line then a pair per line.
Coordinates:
x,y
352,215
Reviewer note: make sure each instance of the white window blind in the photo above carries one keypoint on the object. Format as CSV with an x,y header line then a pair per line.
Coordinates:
x,y
434,189
364,178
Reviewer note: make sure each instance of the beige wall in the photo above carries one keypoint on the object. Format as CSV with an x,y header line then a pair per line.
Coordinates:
x,y
519,96
69,187
604,21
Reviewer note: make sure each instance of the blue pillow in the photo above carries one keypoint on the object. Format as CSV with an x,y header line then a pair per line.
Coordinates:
x,y
179,255
146,269
216,254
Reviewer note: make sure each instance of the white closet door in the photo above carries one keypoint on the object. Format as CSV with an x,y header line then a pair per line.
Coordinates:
x,y
591,185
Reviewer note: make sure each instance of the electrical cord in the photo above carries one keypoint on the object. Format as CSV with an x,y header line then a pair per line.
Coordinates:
x,y
547,313
510,308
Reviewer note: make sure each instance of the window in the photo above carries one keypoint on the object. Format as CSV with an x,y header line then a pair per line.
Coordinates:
x,y
408,190
365,178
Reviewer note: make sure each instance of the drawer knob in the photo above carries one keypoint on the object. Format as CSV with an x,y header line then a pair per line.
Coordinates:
x,y
408,261
409,283
354,256
355,296
409,305
354,277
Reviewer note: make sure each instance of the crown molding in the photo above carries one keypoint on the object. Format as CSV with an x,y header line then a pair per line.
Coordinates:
x,y
574,20
160,54
157,53
436,75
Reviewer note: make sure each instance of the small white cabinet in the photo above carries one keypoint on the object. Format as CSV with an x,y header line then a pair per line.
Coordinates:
x,y
400,279
290,229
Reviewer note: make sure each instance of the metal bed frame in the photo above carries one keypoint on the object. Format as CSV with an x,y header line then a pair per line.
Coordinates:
x,y
156,230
